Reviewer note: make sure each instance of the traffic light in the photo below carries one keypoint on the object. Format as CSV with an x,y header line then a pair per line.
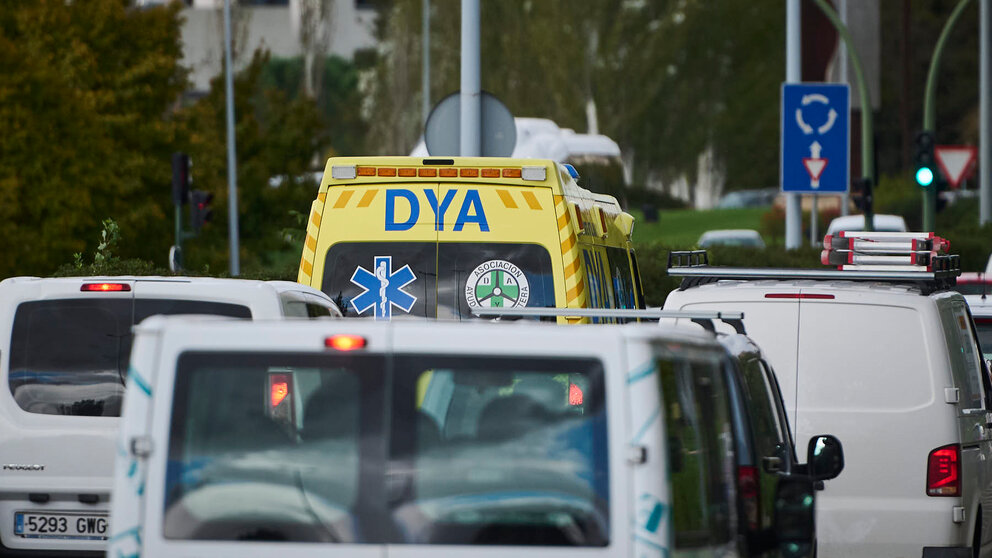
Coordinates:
x,y
180,178
199,208
861,194
925,164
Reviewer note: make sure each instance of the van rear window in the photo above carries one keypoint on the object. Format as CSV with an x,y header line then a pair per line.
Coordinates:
x,y
413,450
66,356
70,356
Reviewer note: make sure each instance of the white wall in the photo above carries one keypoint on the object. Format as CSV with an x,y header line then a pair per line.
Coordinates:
x,y
269,26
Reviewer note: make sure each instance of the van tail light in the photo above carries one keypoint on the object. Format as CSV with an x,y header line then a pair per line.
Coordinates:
x,y
344,342
944,471
747,487
574,395
279,388
105,287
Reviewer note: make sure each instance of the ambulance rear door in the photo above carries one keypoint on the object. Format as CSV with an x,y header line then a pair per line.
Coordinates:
x,y
377,249
498,247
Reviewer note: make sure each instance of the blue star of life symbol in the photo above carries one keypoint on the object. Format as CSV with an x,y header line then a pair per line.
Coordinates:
x,y
383,288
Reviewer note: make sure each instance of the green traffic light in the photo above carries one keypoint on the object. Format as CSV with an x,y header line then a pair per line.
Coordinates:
x,y
924,176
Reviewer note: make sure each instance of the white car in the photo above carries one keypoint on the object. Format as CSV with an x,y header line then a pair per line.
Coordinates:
x,y
889,363
64,349
746,238
883,223
445,439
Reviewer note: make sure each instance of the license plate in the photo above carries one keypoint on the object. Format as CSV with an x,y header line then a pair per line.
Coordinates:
x,y
89,527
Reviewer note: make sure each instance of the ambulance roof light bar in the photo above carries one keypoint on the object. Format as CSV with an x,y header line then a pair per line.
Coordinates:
x,y
704,318
351,172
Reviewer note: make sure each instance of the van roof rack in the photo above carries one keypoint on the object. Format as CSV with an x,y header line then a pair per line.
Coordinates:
x,y
703,318
694,269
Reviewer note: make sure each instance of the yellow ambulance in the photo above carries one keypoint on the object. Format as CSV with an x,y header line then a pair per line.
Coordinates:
x,y
393,237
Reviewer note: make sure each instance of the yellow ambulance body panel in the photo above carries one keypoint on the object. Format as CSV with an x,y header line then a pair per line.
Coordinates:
x,y
392,237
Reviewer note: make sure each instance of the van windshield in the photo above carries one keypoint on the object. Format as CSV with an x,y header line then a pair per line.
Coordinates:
x,y
391,280
410,450
70,356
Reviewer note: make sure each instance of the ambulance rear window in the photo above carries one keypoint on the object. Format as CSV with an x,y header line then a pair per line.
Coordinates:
x,y
394,280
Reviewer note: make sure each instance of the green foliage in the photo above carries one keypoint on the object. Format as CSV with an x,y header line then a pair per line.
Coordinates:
x,y
84,90
339,100
276,136
104,260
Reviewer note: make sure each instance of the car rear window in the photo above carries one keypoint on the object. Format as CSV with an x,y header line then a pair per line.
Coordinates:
x,y
70,356
411,450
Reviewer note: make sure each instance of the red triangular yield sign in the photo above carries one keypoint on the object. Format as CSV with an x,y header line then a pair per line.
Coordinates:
x,y
814,167
955,161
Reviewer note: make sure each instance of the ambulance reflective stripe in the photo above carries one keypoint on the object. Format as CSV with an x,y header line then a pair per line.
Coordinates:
x,y
507,199
368,197
530,200
574,282
343,199
310,243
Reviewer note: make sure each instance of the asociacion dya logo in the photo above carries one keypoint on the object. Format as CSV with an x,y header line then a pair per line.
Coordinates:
x,y
497,284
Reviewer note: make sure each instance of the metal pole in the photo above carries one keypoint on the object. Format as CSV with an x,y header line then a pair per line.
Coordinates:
x,y
930,110
814,229
470,139
985,112
793,74
867,135
232,169
425,75
842,70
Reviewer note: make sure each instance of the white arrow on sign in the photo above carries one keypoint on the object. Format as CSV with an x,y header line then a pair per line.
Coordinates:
x,y
814,164
807,99
806,128
831,118
955,161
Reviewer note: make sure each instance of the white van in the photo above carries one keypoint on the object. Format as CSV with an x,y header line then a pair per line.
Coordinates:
x,y
64,349
413,439
888,362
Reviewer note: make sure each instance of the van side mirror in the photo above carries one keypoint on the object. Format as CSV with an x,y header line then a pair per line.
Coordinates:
x,y
795,516
824,457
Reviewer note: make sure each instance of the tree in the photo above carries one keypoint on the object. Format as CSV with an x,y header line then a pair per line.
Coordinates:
x,y
276,137
86,132
669,80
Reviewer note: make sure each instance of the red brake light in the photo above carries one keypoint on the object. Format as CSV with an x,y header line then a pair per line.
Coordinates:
x,y
801,296
278,388
105,287
944,471
345,342
747,487
574,394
